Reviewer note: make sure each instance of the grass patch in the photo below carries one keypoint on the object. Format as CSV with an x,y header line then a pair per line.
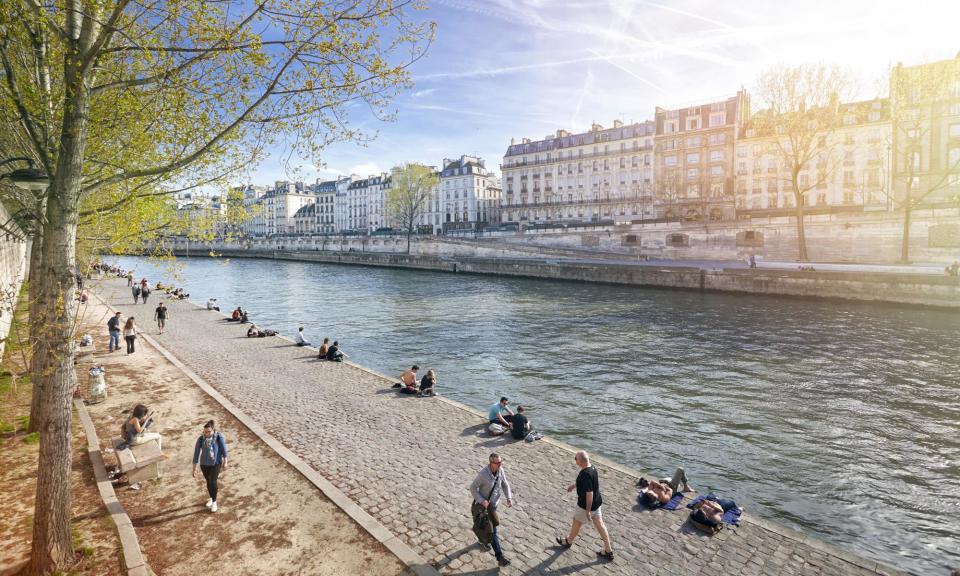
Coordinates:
x,y
6,428
32,438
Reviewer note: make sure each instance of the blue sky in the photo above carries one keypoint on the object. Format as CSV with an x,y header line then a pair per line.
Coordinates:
x,y
524,68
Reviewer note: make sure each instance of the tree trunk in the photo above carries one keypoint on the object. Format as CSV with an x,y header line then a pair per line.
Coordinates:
x,y
52,544
409,234
801,232
52,547
34,314
905,239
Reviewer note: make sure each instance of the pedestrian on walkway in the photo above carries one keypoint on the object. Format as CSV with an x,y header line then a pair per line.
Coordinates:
x,y
160,315
113,326
589,501
144,292
136,292
210,453
486,490
129,278
130,334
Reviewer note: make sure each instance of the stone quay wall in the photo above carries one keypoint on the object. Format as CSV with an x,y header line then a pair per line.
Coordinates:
x,y
871,237
898,288
13,268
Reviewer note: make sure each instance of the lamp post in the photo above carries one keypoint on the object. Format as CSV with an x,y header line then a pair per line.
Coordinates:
x,y
31,179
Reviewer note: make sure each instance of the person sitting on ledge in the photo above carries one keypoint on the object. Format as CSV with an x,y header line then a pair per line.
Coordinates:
x,y
243,317
254,332
659,493
212,304
500,414
235,315
322,351
300,340
520,425
334,354
408,381
428,384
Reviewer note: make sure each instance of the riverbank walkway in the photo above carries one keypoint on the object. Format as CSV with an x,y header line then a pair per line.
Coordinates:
x,y
408,462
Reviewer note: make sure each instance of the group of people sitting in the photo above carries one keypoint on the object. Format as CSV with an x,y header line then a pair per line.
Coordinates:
x,y
172,291
408,383
707,512
502,419
254,332
238,315
330,352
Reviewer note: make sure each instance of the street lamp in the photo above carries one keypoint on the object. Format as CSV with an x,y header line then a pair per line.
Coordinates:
x,y
31,178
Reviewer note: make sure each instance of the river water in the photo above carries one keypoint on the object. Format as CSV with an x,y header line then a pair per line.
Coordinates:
x,y
838,419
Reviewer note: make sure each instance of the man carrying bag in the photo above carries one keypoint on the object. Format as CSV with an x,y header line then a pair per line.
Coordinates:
x,y
486,488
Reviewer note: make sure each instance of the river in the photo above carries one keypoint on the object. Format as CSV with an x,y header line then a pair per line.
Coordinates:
x,y
839,419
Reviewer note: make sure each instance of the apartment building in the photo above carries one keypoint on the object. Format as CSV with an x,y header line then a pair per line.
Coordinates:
x,y
925,120
851,167
694,149
603,175
469,194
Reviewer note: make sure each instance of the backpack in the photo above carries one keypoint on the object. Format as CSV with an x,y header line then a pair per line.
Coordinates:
x,y
496,429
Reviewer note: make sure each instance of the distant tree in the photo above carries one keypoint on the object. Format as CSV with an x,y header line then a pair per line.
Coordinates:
x,y
920,97
408,198
803,112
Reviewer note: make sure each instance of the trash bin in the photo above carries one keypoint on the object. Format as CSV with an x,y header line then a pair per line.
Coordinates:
x,y
97,386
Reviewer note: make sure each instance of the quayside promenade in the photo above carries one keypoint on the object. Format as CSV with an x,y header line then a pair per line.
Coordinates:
x,y
408,463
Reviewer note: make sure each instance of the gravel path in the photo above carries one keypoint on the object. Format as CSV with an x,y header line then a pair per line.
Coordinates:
x,y
408,462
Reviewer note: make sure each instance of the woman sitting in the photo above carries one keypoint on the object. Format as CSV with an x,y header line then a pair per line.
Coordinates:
x,y
134,429
322,352
428,384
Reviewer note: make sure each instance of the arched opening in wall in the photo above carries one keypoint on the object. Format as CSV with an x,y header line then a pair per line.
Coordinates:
x,y
750,238
692,215
678,240
716,214
631,240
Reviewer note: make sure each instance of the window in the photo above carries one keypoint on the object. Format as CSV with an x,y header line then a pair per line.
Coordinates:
x,y
955,130
670,127
874,116
716,170
718,119
693,173
693,123
953,160
955,109
718,139
693,142
693,191
693,158
716,155
670,160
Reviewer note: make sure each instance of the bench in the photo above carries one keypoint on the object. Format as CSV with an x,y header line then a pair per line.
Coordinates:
x,y
141,462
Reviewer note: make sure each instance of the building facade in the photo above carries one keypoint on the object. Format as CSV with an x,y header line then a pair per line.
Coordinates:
x,y
694,150
925,118
468,193
851,168
600,176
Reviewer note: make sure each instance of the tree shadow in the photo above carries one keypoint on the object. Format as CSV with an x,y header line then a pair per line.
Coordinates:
x,y
474,430
167,515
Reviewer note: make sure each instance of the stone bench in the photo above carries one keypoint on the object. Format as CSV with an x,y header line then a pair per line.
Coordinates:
x,y
141,462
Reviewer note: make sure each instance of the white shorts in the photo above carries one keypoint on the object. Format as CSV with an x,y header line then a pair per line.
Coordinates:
x,y
583,517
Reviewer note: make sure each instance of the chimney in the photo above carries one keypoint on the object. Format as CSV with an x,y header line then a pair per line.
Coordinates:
x,y
617,124
525,141
595,127
513,141
561,133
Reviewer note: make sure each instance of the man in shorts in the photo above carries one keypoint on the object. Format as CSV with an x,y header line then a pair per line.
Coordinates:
x,y
589,502
160,315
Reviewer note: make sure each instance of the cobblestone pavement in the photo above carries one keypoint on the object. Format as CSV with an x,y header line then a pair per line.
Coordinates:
x,y
409,461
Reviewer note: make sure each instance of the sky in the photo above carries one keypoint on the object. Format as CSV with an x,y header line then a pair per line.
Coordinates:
x,y
503,69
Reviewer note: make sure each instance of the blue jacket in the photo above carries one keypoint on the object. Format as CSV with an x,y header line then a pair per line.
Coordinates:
x,y
212,457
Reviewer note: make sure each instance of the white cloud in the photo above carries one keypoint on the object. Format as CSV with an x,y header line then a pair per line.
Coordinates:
x,y
365,169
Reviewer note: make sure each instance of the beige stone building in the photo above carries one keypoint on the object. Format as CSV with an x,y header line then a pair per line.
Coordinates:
x,y
600,176
925,104
468,193
851,169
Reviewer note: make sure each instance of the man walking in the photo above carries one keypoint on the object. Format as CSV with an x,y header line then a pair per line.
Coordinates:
x,y
589,501
136,292
486,489
160,315
113,326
